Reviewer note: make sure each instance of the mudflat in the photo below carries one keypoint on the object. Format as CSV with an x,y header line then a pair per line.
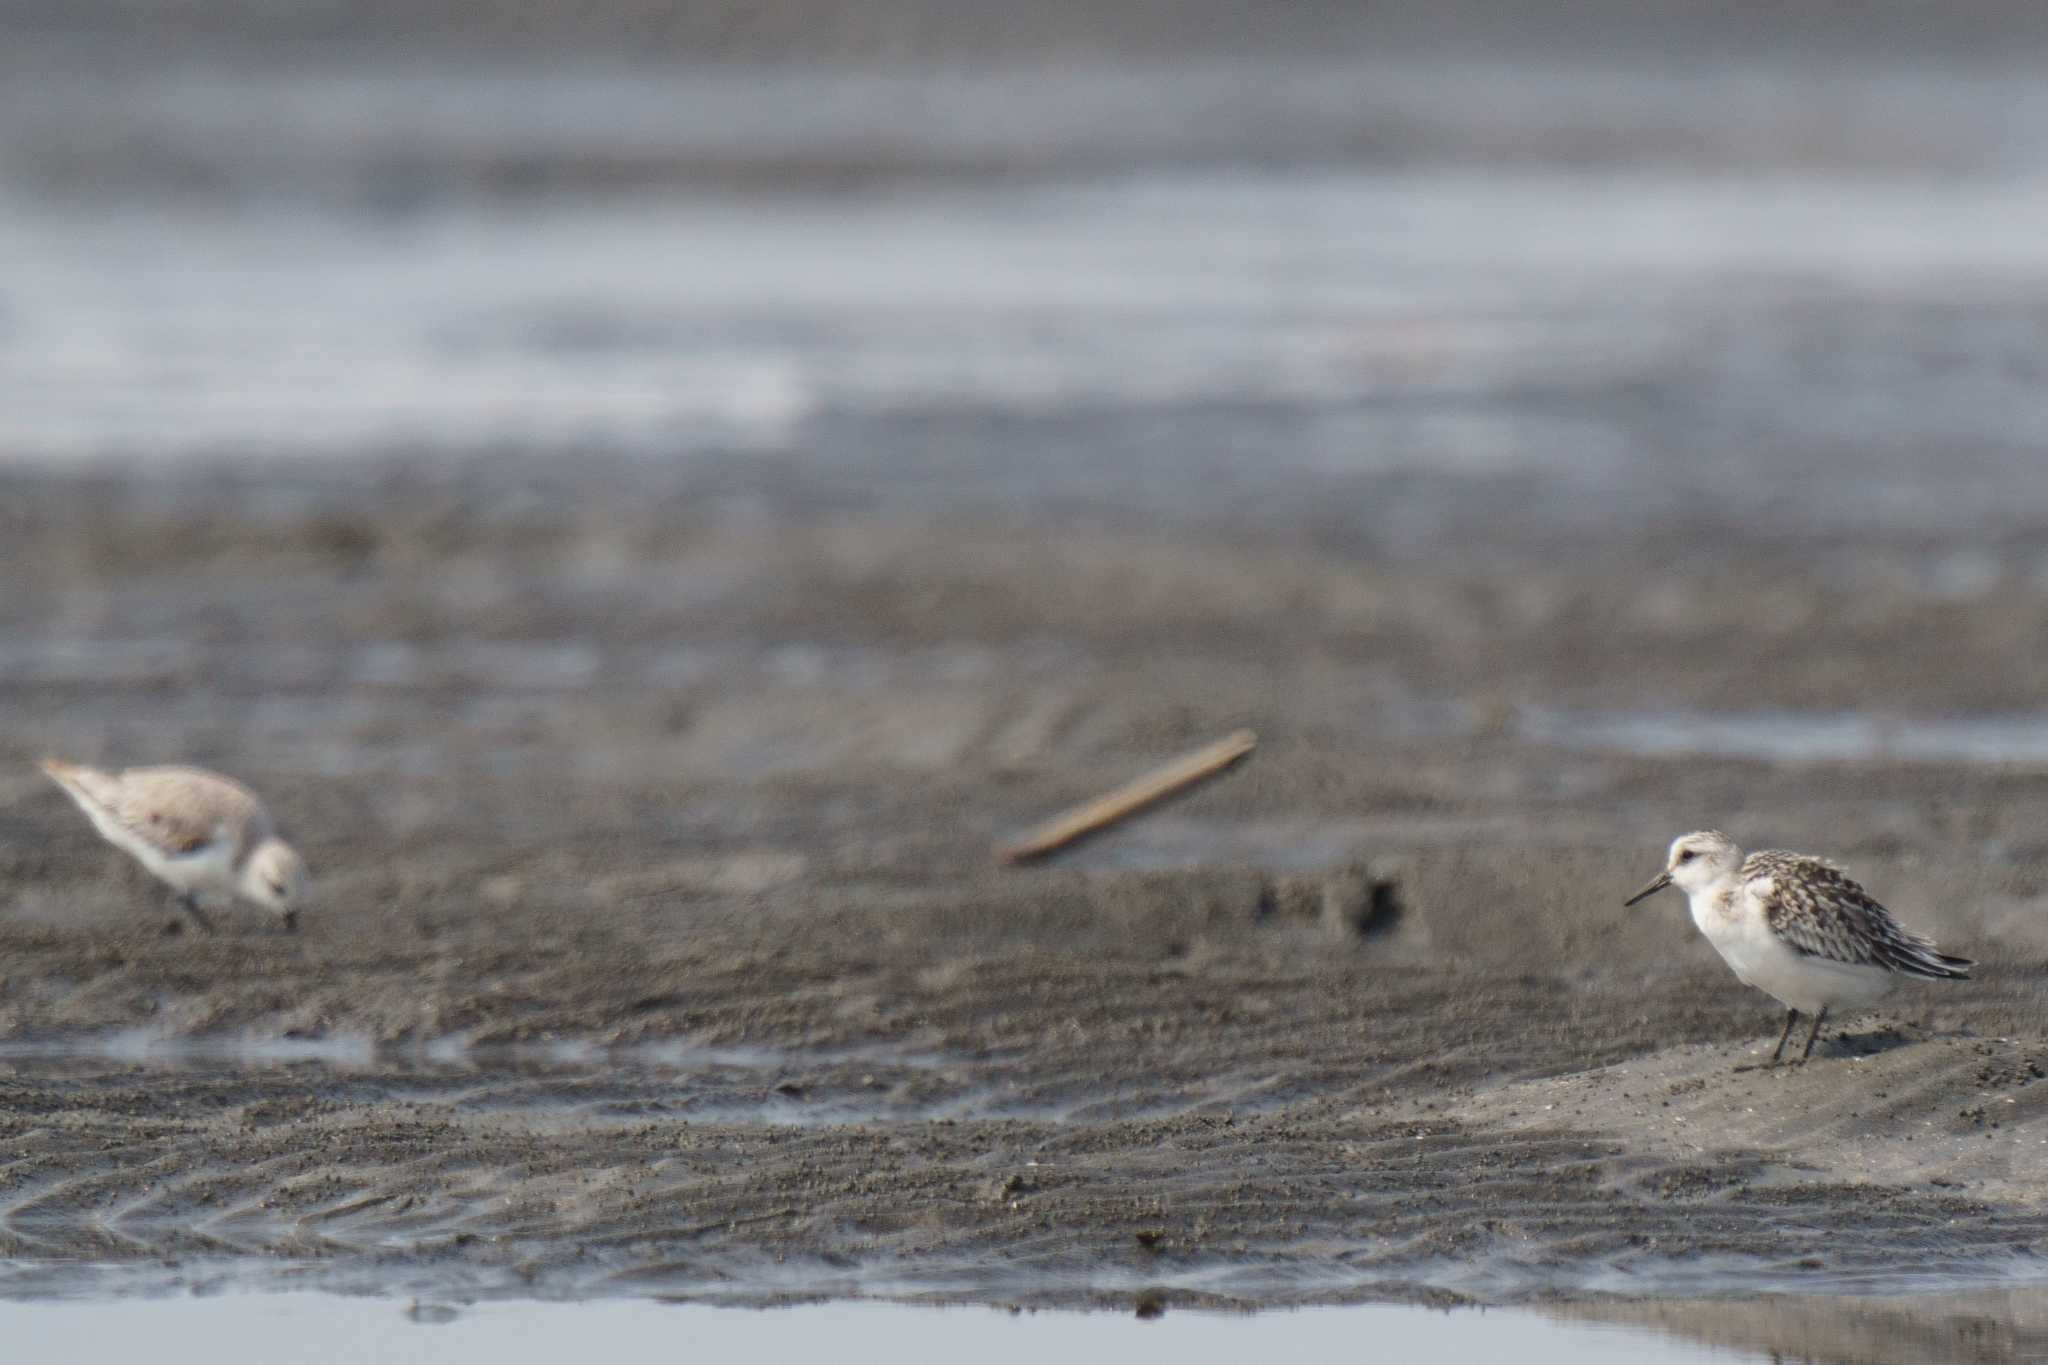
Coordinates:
x,y
658,945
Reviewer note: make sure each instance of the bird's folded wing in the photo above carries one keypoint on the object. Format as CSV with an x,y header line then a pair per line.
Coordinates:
x,y
1814,908
177,812
1817,909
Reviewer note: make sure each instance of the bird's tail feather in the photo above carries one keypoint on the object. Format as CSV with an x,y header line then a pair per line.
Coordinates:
x,y
64,773
1937,966
75,778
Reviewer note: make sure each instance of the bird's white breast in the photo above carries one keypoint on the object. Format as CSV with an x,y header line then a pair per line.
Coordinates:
x,y
207,872
1734,923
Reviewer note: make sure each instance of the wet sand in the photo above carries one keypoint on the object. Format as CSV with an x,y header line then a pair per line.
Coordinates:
x,y
659,948
655,500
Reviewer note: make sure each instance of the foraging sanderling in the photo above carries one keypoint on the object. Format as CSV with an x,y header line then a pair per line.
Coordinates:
x,y
207,836
1797,928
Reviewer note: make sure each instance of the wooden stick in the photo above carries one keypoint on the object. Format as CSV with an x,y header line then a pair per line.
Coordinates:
x,y
1111,807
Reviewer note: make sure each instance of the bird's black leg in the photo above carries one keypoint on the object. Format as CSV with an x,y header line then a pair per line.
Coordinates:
x,y
1791,1018
187,902
1815,1034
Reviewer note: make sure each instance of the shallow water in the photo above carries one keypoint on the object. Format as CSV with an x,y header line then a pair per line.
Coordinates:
x,y
1799,736
228,1326
1524,356
1601,331
310,1329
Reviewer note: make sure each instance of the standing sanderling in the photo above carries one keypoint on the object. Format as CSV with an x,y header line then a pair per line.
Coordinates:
x,y
1797,928
205,835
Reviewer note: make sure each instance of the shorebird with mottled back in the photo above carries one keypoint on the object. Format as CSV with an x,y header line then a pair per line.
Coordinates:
x,y
1797,928
206,836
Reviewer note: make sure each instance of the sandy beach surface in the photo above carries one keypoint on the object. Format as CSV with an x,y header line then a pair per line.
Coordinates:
x,y
658,946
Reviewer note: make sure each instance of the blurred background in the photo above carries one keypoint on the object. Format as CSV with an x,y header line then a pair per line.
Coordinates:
x,y
1426,278
743,390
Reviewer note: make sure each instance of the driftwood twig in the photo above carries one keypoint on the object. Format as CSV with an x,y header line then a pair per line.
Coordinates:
x,y
1134,796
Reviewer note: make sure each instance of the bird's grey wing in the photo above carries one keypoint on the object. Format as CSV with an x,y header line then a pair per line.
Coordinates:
x,y
1817,909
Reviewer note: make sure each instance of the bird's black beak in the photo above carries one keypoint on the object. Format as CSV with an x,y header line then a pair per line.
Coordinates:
x,y
1652,889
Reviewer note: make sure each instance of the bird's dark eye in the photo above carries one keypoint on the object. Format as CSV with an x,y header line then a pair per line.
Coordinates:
x,y
1685,855
277,889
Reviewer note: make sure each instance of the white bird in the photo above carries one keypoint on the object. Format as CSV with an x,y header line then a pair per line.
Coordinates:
x,y
1797,928
207,836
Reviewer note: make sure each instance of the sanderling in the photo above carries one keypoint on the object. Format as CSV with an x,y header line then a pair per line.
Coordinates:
x,y
1797,928
205,835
